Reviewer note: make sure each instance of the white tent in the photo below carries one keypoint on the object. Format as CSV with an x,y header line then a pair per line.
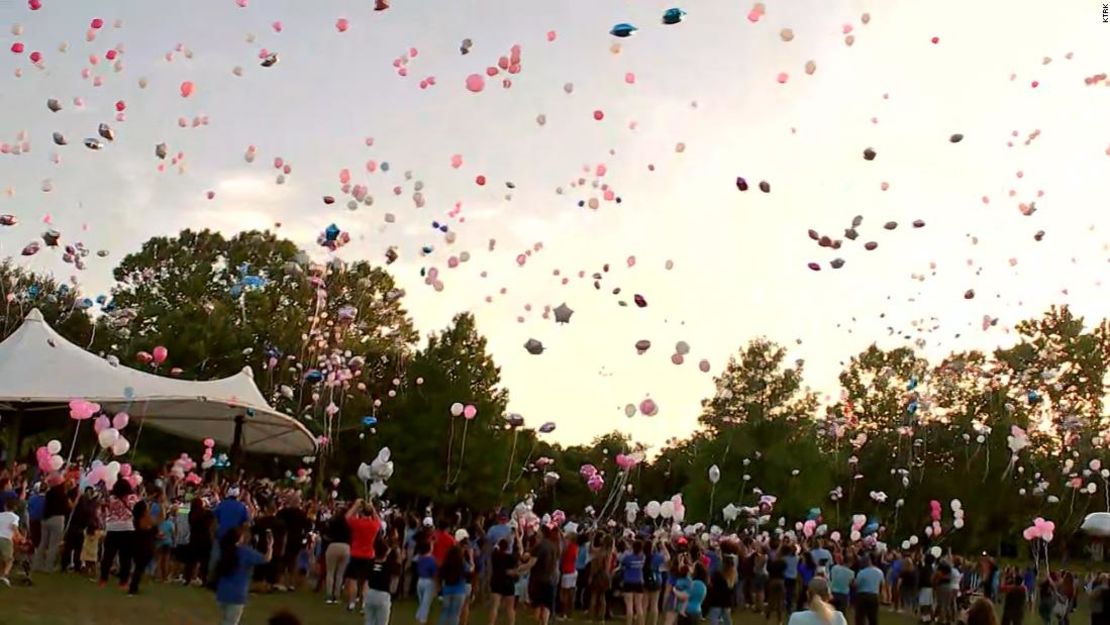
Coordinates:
x,y
40,367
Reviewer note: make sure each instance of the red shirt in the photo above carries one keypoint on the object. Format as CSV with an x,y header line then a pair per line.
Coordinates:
x,y
570,559
443,542
363,532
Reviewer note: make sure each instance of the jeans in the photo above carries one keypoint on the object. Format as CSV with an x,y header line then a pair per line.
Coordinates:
x,y
867,609
791,594
452,608
230,613
717,615
71,551
46,556
121,543
377,604
336,559
425,592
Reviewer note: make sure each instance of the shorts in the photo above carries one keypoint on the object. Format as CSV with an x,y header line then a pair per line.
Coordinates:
x,y
632,588
7,550
650,583
542,596
358,569
568,581
925,597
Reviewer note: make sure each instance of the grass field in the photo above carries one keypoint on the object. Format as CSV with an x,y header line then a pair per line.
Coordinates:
x,y
73,600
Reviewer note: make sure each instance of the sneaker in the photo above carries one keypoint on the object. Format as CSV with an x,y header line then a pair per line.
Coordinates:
x,y
351,607
6,582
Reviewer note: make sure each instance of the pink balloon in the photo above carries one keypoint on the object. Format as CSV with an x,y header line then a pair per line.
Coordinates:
x,y
469,412
782,78
648,407
101,423
121,420
277,26
1029,533
187,88
630,78
160,353
677,359
209,443
456,161
342,24
551,35
475,83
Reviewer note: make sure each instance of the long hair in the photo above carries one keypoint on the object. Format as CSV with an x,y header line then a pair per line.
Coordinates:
x,y
981,613
819,603
229,553
728,570
451,572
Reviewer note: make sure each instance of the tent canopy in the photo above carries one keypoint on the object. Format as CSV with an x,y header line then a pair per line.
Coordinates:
x,y
39,366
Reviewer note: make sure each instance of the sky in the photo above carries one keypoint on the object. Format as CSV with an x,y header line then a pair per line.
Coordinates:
x,y
733,92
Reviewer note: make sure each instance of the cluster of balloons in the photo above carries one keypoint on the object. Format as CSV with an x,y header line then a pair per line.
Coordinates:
x,y
110,473
48,457
672,509
468,411
377,472
595,481
108,433
155,357
1040,529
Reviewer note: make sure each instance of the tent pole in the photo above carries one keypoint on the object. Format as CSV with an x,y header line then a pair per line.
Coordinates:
x,y
237,442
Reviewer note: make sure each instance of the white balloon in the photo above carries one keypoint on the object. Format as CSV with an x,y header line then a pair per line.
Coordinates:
x,y
54,447
121,446
914,540
854,535
653,509
114,467
666,509
384,454
456,409
714,474
108,437
956,505
56,463
936,551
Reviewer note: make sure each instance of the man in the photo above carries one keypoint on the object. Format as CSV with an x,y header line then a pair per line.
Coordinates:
x,y
55,512
822,558
840,583
36,506
7,493
442,541
297,527
869,584
9,533
229,513
365,525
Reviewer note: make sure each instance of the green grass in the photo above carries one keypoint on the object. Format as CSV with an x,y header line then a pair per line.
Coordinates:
x,y
73,600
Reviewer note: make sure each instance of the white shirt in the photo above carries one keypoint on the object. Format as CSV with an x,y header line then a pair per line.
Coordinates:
x,y
809,617
9,523
956,577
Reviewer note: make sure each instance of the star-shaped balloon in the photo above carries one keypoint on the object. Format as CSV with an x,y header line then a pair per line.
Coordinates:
x,y
563,313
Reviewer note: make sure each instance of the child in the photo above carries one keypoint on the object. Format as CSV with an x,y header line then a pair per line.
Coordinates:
x,y
90,551
163,548
233,573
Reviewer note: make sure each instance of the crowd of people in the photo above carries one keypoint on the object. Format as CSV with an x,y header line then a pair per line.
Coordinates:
x,y
254,536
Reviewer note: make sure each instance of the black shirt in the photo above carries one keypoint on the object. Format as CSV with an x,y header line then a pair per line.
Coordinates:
x,y
720,594
337,530
382,573
776,569
200,526
501,563
57,504
297,526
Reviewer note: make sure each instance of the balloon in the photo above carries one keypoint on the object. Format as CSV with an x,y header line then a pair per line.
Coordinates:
x,y
456,409
630,410
469,412
854,536
56,463
714,474
369,421
54,447
121,420
666,509
936,551
475,83
80,409
187,88
108,437
652,509
547,428
209,443
160,353
102,423
648,408
121,446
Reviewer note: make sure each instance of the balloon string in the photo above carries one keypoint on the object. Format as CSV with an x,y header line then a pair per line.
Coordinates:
x,y
462,453
509,469
73,445
139,434
450,449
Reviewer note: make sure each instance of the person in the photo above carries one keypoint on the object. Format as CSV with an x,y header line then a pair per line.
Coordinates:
x,y
201,528
378,601
840,585
542,575
425,566
653,580
1046,599
90,548
632,583
451,583
869,584
905,591
694,597
760,577
789,555
1013,598
229,513
822,559
442,540
337,554
503,563
362,518
36,507
297,527
818,609
55,512
145,539
776,586
568,578
981,612
462,541
721,598
9,535
164,546
1099,594
119,537
233,572
81,520
600,575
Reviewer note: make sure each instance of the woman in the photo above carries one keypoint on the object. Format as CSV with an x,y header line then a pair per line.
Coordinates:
x,y
451,582
722,592
378,601
1046,599
759,578
632,583
462,541
146,537
905,588
425,566
653,579
503,562
201,527
337,553
233,573
776,586
1013,598
818,610
694,597
119,537
601,566
981,613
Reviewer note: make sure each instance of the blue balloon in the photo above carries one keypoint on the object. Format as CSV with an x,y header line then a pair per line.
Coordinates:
x,y
83,304
427,249
385,166
623,30
313,376
236,290
101,299
913,383
443,228
547,428
1033,396
369,421
912,408
673,16
128,392
331,233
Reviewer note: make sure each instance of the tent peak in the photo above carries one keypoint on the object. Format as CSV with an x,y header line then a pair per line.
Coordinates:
x,y
34,315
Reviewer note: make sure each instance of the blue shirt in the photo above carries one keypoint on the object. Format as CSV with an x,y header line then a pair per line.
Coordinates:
x,y
632,569
498,532
230,513
425,567
36,506
714,562
696,596
166,528
655,564
840,579
821,554
583,559
791,567
869,580
233,588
